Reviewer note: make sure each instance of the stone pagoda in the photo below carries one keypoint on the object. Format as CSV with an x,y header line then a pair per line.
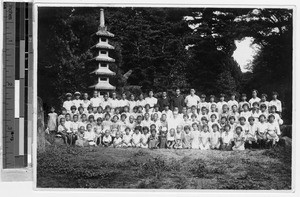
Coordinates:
x,y
103,72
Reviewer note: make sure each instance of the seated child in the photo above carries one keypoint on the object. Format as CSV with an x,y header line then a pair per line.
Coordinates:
x,y
117,143
107,139
273,130
145,137
227,138
80,138
215,137
262,127
127,138
250,135
171,138
75,124
187,138
195,135
204,139
90,135
98,131
162,139
153,140
62,130
239,139
178,138
136,137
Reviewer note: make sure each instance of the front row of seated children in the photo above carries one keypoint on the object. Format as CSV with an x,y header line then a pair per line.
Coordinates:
x,y
228,137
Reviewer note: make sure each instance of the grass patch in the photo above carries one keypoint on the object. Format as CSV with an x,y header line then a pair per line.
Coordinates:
x,y
96,167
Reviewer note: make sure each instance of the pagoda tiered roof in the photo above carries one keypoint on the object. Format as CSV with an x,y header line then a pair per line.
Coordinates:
x,y
104,45
103,85
104,71
102,31
104,58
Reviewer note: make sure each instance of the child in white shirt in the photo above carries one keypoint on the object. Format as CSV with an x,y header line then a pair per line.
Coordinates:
x,y
204,138
232,101
273,130
117,143
254,98
136,137
90,135
68,103
215,137
243,101
171,138
127,138
250,135
107,139
77,101
227,138
276,102
262,128
239,139
195,135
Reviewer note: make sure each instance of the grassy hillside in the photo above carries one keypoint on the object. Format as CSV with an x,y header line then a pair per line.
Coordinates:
x,y
97,167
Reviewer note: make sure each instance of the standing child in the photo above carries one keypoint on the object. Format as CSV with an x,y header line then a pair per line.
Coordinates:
x,y
52,122
68,103
239,139
204,138
215,137
171,138
232,123
107,139
153,140
227,138
195,135
213,120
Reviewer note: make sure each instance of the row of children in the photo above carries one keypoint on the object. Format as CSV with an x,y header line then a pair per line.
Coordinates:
x,y
179,101
209,135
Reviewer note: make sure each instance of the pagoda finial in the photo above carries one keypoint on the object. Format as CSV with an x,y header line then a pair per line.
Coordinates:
x,y
102,23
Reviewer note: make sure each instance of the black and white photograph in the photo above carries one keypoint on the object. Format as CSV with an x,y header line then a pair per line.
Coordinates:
x,y
190,98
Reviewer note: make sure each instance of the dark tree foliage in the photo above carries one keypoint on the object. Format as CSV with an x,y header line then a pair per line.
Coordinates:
x,y
163,48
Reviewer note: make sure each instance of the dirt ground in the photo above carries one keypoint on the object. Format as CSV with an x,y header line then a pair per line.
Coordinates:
x,y
97,167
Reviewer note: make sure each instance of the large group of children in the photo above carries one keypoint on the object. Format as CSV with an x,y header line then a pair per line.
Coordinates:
x,y
175,123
